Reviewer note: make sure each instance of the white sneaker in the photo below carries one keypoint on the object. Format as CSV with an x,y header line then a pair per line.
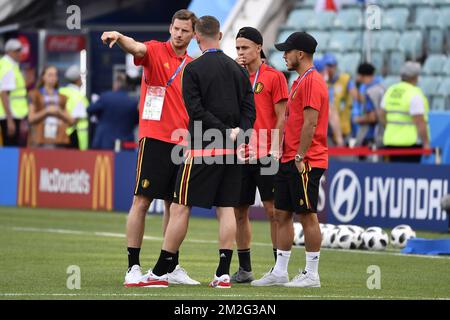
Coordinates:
x,y
151,280
304,280
180,276
222,282
270,279
133,277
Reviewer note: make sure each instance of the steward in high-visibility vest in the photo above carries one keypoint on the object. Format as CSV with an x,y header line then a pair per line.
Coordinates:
x,y
405,113
13,96
77,104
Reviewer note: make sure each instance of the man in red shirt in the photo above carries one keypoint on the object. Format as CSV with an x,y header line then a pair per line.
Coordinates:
x,y
271,93
304,160
161,113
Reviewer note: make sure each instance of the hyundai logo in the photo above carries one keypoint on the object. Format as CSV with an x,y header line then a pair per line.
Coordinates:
x,y
345,195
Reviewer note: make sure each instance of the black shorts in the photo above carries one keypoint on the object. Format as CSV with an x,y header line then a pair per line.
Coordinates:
x,y
205,185
252,179
295,192
156,173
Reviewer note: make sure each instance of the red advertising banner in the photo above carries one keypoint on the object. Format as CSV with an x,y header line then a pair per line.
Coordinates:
x,y
66,179
65,43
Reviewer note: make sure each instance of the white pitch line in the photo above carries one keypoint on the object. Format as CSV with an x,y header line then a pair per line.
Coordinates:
x,y
213,295
150,238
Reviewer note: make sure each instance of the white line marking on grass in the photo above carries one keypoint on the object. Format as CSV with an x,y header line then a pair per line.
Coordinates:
x,y
162,295
150,238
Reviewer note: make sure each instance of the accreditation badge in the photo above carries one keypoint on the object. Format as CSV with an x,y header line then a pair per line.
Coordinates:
x,y
153,103
51,127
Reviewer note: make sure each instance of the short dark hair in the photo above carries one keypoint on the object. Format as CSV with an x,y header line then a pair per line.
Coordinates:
x,y
366,69
184,14
208,26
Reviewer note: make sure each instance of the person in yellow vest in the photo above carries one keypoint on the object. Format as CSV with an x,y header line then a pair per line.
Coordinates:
x,y
405,114
13,96
342,91
76,106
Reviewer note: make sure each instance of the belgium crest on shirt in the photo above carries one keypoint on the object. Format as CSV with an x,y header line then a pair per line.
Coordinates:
x,y
259,87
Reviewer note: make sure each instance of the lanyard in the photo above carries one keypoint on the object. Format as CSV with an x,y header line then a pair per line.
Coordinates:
x,y
301,79
176,73
212,50
256,78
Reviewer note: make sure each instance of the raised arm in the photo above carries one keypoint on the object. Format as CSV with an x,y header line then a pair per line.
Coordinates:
x,y
127,44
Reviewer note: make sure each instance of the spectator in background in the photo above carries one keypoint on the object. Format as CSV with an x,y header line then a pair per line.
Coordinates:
x,y
366,107
335,134
342,91
13,96
48,116
117,115
77,104
405,114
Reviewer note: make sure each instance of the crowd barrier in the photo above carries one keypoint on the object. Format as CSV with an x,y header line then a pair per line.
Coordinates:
x,y
359,193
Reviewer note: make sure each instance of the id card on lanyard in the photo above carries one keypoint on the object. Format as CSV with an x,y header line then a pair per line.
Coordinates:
x,y
154,98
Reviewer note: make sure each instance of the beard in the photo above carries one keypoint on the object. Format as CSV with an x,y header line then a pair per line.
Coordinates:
x,y
294,65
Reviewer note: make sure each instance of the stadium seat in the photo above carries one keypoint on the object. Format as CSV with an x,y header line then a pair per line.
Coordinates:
x,y
349,62
435,41
444,87
426,17
322,38
437,103
276,60
299,18
395,18
434,64
387,40
429,85
395,61
344,41
395,3
282,36
377,59
325,20
390,80
348,19
372,38
444,17
411,42
447,66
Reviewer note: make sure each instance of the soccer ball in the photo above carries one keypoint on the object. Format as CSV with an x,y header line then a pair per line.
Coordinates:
x,y
375,238
325,229
299,236
401,234
327,234
332,238
346,238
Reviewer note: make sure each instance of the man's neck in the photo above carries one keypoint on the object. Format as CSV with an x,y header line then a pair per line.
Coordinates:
x,y
302,68
254,66
209,45
49,89
178,51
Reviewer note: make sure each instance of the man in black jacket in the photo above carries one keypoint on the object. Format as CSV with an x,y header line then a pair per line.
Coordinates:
x,y
219,100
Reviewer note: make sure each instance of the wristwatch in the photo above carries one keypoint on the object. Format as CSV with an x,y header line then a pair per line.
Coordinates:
x,y
298,158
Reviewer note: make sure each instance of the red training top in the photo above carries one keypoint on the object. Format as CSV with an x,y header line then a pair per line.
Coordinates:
x,y
160,63
310,92
270,89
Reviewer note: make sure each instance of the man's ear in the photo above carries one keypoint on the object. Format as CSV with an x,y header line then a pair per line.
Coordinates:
x,y
220,35
170,29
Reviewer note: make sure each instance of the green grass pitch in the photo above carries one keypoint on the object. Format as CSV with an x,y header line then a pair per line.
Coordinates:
x,y
38,245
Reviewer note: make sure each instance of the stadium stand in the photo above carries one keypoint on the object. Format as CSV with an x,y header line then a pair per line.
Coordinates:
x,y
410,30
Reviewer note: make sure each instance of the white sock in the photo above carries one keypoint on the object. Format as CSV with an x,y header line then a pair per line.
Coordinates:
x,y
281,266
312,262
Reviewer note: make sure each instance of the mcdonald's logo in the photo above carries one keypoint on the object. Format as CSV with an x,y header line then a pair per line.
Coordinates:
x,y
102,183
27,180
